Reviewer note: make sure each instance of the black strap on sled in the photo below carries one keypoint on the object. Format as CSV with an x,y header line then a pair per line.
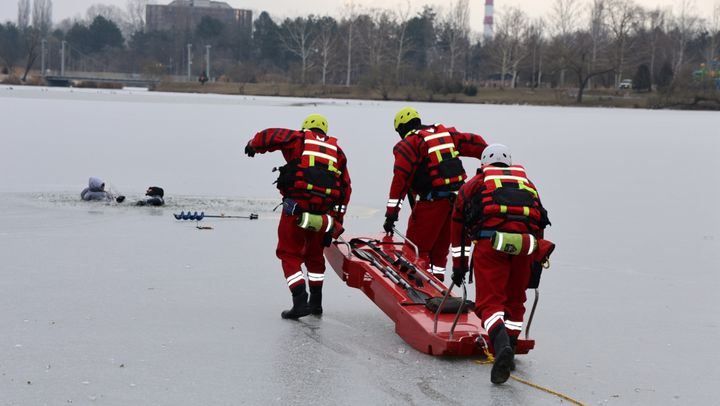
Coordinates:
x,y
417,297
413,272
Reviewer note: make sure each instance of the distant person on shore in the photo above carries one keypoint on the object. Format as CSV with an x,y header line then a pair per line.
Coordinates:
x,y
500,211
428,170
315,186
203,78
155,197
96,192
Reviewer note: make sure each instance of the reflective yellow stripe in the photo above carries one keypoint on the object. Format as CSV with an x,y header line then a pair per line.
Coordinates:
x,y
529,189
309,187
498,183
526,211
503,209
312,160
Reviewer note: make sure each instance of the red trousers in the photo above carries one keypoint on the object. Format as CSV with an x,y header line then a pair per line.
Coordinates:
x,y
429,229
500,283
297,246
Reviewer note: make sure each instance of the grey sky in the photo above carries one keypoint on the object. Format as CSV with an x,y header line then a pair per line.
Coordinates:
x,y
284,8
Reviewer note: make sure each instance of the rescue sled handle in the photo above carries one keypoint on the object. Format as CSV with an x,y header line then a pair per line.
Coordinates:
x,y
415,247
457,315
532,313
342,241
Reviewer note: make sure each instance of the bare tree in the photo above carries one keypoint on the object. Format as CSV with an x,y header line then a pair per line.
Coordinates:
x,y
299,38
577,60
713,29
374,33
623,18
510,44
456,32
326,43
23,20
403,45
598,28
42,16
135,10
655,24
536,44
564,17
351,12
684,27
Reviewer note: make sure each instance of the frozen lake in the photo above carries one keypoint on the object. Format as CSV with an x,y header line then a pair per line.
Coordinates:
x,y
121,305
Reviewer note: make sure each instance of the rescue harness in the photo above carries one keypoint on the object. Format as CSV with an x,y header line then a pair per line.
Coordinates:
x,y
440,174
506,201
314,178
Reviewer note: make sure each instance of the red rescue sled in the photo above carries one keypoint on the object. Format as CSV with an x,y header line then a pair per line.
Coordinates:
x,y
391,277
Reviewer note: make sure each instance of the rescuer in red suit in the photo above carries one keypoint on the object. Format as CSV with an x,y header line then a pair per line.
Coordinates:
x,y
427,166
500,211
315,184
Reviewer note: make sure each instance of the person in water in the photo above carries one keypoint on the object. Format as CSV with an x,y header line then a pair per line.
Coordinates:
x,y
96,192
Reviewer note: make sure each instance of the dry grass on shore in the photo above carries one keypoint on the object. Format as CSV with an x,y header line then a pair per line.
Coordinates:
x,y
539,97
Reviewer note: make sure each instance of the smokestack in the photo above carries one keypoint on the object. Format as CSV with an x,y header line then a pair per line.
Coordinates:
x,y
489,5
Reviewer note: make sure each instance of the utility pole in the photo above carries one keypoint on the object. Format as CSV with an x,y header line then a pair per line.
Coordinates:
x,y
62,59
189,51
42,57
207,61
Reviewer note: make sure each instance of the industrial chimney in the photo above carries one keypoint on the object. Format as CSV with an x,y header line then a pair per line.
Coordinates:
x,y
489,18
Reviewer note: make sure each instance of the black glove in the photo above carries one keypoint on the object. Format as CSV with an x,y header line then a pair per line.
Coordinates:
x,y
458,276
249,151
390,224
120,199
327,239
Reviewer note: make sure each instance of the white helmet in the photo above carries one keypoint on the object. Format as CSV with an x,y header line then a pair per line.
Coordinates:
x,y
496,153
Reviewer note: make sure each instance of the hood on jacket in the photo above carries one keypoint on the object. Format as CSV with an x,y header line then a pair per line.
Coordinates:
x,y
96,184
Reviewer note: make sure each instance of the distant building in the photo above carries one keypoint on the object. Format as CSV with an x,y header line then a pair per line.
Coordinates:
x,y
185,15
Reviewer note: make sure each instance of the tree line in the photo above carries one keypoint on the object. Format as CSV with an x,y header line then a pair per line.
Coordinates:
x,y
580,44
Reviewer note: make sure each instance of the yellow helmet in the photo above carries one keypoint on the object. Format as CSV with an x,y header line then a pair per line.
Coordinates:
x,y
405,115
315,121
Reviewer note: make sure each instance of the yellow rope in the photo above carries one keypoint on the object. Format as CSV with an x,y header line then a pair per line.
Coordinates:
x,y
489,359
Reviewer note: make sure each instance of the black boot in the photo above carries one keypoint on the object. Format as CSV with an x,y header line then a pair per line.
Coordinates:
x,y
513,345
300,306
504,355
315,300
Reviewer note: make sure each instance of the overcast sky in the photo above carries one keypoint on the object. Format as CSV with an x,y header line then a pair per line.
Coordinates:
x,y
284,8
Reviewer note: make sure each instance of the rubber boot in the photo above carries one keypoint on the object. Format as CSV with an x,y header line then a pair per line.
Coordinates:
x,y
513,345
504,355
315,302
300,306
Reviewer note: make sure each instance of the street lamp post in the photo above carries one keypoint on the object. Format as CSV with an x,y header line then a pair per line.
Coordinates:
x,y
62,59
207,61
189,67
42,57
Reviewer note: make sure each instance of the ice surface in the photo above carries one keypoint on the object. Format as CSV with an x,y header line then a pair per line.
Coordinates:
x,y
121,305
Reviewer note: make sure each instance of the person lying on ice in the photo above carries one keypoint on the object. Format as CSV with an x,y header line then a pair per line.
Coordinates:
x,y
500,211
427,165
155,197
315,185
96,191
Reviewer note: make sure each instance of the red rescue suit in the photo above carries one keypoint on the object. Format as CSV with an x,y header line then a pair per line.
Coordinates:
x,y
317,179
427,165
498,199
